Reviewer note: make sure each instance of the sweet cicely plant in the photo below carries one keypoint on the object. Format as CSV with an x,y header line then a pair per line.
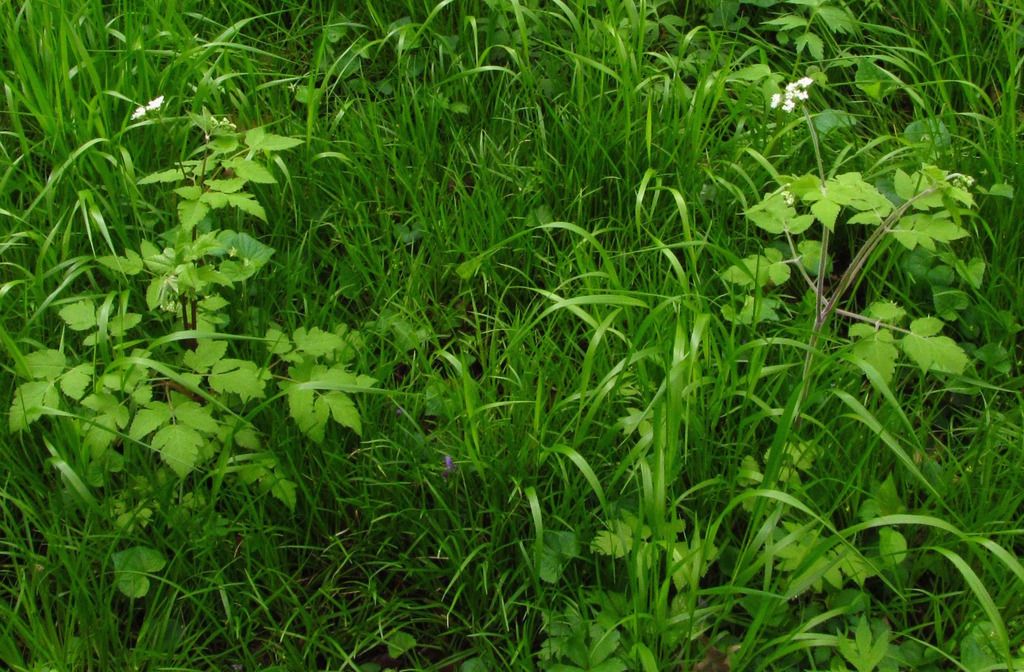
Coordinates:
x,y
925,209
143,374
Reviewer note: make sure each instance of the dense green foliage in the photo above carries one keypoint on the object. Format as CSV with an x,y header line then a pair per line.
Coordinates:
x,y
511,334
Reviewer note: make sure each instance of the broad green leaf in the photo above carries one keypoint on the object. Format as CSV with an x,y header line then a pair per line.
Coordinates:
x,y
316,342
179,446
243,246
935,353
878,351
810,255
616,542
925,229
259,140
131,567
246,203
239,376
198,417
45,364
926,326
949,302
29,401
148,419
206,354
169,175
344,411
772,214
76,381
224,143
812,43
189,192
892,546
215,199
886,311
827,211
284,490
309,411
80,316
557,549
753,311
973,272
252,171
1001,189
130,264
399,643
837,18
190,213
931,132
106,404
277,342
905,186
873,80
831,120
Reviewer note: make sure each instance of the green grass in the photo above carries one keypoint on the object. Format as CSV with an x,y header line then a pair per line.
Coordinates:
x,y
524,207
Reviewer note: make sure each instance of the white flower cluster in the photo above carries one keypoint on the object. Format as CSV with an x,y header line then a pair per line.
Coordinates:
x,y
964,182
151,106
794,91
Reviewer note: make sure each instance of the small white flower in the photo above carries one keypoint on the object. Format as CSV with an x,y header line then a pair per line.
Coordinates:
x,y
788,198
151,106
795,91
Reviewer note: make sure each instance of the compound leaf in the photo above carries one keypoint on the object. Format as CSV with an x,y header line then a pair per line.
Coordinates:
x,y
178,445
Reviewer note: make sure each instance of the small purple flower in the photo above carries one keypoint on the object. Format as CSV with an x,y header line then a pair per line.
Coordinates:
x,y
449,466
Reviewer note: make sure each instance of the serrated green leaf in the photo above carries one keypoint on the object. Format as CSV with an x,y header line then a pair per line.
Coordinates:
x,y
344,411
179,446
206,354
120,324
259,140
277,342
886,311
284,491
30,400
316,342
215,199
130,264
190,192
812,43
148,419
246,203
131,567
190,213
827,212
926,326
935,353
309,411
250,170
106,404
239,376
194,415
75,381
45,364
161,176
772,214
247,437
79,316
753,311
